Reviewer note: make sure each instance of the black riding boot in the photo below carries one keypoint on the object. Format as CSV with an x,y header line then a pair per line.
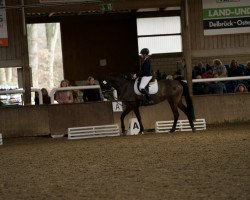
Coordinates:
x,y
149,101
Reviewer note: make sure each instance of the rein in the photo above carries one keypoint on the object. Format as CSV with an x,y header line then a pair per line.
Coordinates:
x,y
112,98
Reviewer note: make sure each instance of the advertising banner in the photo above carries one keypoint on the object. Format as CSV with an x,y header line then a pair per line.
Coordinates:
x,y
226,16
3,26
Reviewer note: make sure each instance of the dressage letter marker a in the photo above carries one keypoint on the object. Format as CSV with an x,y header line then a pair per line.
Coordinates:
x,y
134,127
117,106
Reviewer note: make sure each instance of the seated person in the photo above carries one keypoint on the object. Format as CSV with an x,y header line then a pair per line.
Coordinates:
x,y
217,87
200,88
46,97
247,73
91,94
219,68
208,73
247,69
241,88
198,70
234,69
63,97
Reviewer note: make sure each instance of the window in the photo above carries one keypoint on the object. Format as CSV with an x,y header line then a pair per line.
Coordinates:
x,y
160,34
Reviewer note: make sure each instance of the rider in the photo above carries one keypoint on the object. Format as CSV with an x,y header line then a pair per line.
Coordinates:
x,y
145,73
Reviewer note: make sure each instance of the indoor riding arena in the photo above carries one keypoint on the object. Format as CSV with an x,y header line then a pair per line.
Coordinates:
x,y
211,164
76,150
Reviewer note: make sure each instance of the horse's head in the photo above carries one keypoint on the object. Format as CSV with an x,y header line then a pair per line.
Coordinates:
x,y
107,87
110,82
105,83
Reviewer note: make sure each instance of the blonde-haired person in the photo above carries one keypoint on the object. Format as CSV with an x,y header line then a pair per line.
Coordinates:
x,y
63,97
219,68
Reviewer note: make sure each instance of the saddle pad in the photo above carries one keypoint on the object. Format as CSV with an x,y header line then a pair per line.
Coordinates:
x,y
153,87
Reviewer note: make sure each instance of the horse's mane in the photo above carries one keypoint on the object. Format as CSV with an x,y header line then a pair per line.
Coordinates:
x,y
122,77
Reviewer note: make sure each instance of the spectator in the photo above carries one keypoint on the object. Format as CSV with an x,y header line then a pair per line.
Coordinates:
x,y
208,73
63,97
198,70
178,75
247,69
219,68
45,96
247,73
181,66
91,94
241,88
234,69
199,88
170,77
216,87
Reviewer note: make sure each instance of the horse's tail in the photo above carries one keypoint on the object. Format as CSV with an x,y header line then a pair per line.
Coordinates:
x,y
190,106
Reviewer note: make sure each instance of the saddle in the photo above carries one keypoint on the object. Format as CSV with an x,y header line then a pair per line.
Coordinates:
x,y
152,86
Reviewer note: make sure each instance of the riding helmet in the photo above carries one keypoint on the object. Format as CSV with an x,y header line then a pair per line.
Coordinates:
x,y
144,51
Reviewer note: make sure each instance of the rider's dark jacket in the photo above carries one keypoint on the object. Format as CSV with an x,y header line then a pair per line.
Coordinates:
x,y
146,69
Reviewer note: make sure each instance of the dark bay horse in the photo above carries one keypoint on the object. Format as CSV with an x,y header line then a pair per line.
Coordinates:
x,y
170,90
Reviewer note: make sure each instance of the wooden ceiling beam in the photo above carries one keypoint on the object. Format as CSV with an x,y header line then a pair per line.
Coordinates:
x,y
116,6
137,4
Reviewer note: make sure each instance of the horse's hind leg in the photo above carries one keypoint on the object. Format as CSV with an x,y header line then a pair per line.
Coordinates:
x,y
176,115
185,110
123,115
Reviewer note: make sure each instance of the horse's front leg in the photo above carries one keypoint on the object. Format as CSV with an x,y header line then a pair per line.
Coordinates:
x,y
123,115
138,115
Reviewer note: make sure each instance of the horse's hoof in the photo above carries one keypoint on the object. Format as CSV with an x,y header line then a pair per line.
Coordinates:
x,y
141,133
122,134
171,131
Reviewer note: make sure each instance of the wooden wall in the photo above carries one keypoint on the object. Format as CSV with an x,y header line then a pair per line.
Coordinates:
x,y
87,40
206,48
215,109
55,119
11,56
216,45
52,119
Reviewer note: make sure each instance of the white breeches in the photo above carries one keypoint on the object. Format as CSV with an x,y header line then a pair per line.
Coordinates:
x,y
144,81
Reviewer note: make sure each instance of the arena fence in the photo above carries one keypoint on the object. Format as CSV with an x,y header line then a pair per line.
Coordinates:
x,y
182,125
221,79
21,91
93,131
